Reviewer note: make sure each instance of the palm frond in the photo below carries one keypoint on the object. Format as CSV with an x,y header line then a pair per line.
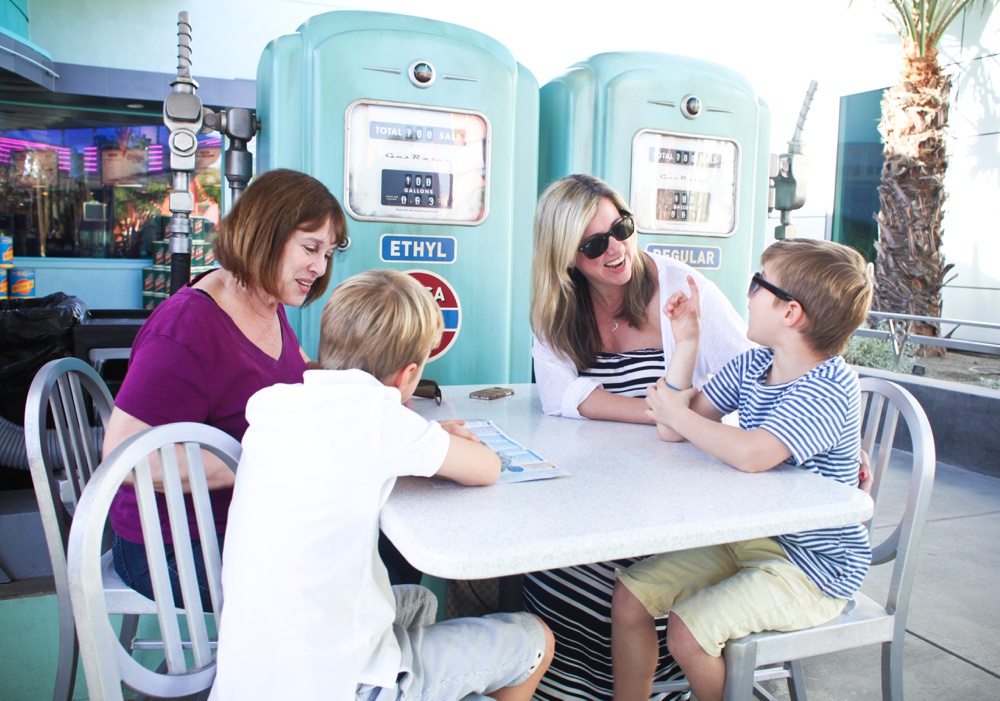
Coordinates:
x,y
923,22
951,12
902,20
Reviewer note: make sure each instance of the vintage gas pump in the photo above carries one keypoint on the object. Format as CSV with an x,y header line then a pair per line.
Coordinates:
x,y
185,117
685,141
788,175
427,133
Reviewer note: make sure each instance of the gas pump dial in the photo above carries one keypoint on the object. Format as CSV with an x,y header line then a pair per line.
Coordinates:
x,y
685,184
416,163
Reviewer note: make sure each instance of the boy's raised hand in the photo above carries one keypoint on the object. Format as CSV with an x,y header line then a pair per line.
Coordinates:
x,y
684,312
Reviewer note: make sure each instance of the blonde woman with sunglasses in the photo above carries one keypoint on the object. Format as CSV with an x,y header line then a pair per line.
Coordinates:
x,y
596,307
600,340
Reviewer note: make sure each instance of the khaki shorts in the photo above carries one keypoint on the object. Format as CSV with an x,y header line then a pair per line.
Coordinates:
x,y
724,592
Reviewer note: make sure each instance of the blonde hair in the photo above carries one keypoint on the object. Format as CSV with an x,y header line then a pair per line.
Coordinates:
x,y
562,314
378,321
830,281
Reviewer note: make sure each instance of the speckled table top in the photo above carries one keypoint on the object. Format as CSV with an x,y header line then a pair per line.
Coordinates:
x,y
629,494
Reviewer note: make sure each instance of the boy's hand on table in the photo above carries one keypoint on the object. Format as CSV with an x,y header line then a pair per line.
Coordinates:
x,y
456,427
664,402
866,480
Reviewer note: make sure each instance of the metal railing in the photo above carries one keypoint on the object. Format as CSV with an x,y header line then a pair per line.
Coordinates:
x,y
900,332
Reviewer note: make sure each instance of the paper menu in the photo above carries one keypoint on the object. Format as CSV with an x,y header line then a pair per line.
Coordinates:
x,y
517,463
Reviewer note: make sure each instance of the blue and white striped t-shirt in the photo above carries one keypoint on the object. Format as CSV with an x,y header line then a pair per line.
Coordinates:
x,y
818,418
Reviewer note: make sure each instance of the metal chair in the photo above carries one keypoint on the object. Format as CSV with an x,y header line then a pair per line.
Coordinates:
x,y
62,460
776,655
106,662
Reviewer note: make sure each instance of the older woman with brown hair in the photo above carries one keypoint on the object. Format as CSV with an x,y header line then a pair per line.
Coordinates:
x,y
600,341
224,336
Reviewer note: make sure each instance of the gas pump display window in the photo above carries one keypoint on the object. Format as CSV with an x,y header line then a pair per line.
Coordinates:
x,y
412,163
684,184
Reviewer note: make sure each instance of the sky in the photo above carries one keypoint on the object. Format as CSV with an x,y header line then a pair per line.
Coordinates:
x,y
778,45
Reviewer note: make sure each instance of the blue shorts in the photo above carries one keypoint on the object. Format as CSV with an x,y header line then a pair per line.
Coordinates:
x,y
462,658
133,567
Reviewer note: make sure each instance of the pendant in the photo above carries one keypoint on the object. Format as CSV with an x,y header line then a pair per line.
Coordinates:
x,y
614,325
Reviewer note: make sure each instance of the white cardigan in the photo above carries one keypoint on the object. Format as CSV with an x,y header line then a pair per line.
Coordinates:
x,y
723,337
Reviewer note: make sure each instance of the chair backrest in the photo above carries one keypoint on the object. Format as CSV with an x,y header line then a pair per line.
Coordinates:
x,y
884,404
105,662
63,458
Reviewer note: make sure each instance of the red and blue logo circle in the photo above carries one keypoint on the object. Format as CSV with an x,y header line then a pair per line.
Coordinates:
x,y
444,294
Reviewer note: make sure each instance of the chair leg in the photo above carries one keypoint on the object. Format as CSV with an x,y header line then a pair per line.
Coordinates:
x,y
741,660
69,654
126,636
796,682
892,671
759,692
130,624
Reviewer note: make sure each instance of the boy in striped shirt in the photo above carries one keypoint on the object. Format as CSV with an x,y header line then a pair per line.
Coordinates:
x,y
799,403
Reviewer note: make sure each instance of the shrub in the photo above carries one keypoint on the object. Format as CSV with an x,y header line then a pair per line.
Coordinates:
x,y
877,353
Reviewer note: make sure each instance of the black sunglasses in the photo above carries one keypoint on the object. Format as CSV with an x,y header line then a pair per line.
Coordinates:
x,y
758,281
596,245
428,389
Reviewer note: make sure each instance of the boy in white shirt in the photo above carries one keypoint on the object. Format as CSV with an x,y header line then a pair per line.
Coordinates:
x,y
309,612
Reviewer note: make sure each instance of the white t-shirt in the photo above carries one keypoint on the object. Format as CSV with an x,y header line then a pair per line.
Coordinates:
x,y
308,608
723,337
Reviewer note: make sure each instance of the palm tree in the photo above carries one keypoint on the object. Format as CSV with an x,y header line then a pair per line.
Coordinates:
x,y
910,268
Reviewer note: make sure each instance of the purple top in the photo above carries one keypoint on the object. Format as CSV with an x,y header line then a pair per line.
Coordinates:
x,y
190,362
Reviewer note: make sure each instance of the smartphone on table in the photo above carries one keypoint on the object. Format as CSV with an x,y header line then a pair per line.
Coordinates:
x,y
491,393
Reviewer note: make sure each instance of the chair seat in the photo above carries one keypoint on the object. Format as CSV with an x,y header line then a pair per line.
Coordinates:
x,y
121,597
864,622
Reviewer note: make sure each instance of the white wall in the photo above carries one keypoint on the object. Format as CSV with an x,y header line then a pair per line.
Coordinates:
x,y
847,49
972,211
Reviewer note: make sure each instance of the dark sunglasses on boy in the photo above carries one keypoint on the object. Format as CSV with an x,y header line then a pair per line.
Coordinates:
x,y
758,281
596,245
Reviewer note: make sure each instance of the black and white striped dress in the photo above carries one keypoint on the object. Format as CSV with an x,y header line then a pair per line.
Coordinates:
x,y
576,601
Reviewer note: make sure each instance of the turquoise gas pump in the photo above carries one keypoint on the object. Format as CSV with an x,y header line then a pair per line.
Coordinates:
x,y
685,141
427,133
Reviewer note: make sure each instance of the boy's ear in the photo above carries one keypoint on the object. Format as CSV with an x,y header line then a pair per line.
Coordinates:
x,y
794,314
402,377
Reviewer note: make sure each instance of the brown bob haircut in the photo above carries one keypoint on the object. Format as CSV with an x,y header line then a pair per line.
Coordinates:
x,y
251,239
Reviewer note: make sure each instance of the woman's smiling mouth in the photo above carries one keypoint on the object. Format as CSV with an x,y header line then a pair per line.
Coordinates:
x,y
617,262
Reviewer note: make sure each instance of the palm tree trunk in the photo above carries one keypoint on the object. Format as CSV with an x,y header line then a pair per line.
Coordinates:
x,y
910,267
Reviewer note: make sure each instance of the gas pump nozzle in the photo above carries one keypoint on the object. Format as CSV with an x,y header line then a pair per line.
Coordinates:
x,y
185,117
239,125
787,190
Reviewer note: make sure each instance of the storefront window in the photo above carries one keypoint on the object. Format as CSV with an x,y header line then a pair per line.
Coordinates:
x,y
859,172
98,193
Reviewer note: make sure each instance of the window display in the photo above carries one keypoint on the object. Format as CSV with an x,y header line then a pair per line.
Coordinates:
x,y
97,193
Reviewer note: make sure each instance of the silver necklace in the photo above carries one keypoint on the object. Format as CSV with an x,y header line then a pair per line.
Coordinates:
x,y
614,325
